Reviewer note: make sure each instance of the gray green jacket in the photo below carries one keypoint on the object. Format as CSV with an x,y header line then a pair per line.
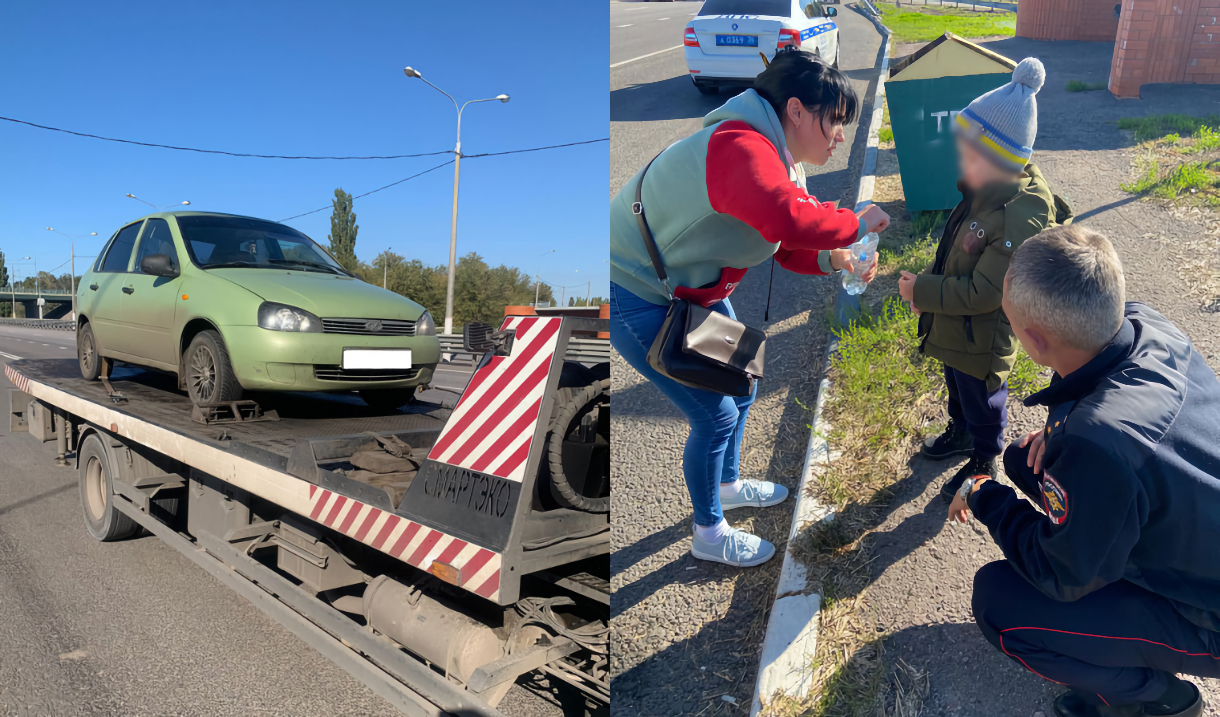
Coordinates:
x,y
960,294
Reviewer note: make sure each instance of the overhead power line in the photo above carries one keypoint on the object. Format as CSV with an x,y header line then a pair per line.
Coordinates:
x,y
413,176
282,156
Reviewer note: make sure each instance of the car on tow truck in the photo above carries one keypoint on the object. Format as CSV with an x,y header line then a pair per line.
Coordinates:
x,y
232,303
725,42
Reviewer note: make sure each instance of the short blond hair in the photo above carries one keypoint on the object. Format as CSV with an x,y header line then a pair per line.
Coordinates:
x,y
1069,281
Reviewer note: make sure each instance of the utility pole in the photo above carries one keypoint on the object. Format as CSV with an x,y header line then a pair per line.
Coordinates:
x,y
457,164
72,245
385,267
588,293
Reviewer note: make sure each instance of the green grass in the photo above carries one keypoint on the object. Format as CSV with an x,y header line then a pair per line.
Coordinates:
x,y
1196,182
1080,86
1158,126
928,24
887,131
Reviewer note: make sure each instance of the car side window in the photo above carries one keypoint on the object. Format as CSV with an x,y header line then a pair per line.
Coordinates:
x,y
156,240
119,254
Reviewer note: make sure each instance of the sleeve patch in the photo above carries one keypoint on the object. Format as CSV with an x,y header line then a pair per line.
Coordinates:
x,y
1054,500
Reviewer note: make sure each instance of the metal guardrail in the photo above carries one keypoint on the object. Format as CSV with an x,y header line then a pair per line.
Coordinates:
x,y
581,350
45,292
59,324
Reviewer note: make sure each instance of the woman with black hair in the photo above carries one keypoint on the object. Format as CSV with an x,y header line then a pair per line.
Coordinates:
x,y
719,202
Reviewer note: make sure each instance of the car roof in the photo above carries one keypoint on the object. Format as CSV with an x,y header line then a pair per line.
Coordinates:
x,y
189,213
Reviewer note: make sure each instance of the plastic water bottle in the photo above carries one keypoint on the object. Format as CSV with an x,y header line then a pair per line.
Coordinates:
x,y
863,254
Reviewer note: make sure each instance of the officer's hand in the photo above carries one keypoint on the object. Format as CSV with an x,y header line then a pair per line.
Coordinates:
x,y
875,218
1036,440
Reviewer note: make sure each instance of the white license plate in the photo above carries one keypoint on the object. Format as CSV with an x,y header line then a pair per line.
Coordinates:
x,y
376,358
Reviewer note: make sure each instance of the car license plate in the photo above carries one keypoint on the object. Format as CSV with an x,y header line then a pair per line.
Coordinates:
x,y
376,358
737,40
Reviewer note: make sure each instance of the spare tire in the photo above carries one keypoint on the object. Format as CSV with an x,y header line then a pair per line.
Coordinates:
x,y
567,415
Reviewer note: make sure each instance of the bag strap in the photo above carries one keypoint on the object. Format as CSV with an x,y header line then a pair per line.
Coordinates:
x,y
649,243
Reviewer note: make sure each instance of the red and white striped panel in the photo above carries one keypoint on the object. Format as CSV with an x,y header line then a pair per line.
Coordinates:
x,y
407,540
493,424
21,382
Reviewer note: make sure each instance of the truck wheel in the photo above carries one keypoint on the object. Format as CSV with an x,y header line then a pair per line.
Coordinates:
x,y
103,521
209,373
86,352
387,399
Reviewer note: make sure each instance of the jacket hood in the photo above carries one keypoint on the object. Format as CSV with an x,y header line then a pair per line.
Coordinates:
x,y
324,295
751,108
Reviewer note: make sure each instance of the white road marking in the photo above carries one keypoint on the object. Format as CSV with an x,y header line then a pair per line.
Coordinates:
x,y
10,356
659,19
65,348
641,57
630,24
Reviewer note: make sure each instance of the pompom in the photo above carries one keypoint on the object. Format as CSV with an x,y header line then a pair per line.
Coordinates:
x,y
1029,72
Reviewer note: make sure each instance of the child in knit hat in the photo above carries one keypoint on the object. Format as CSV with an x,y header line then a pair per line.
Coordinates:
x,y
1005,200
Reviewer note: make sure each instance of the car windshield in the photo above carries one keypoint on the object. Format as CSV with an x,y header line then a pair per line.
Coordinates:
x,y
774,8
216,242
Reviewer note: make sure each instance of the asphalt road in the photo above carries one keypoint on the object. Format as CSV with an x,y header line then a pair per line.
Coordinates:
x,y
134,627
687,632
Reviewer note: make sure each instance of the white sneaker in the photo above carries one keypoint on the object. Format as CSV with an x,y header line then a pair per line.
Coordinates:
x,y
754,494
739,549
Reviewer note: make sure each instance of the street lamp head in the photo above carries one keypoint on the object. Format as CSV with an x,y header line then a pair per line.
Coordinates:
x,y
26,258
502,98
50,229
129,194
92,234
409,72
186,203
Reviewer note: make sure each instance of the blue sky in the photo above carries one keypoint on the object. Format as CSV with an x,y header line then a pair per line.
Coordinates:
x,y
311,78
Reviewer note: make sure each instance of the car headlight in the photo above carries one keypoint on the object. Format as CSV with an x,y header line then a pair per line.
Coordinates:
x,y
281,317
425,326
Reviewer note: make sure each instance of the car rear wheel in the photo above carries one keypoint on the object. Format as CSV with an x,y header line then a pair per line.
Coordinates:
x,y
387,399
209,373
86,353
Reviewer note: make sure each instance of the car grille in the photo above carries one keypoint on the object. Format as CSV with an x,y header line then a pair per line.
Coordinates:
x,y
369,327
324,372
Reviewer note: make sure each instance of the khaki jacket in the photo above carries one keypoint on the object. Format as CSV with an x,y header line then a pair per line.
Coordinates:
x,y
962,323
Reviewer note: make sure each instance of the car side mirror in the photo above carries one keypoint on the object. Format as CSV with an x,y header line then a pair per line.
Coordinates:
x,y
831,12
158,265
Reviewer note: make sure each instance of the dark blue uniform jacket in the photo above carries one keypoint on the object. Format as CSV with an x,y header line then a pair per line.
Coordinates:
x,y
1131,476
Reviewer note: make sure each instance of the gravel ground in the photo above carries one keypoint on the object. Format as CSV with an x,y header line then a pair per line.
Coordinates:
x,y
687,632
923,567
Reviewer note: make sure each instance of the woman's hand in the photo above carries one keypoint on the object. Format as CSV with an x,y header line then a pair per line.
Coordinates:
x,y
841,259
875,218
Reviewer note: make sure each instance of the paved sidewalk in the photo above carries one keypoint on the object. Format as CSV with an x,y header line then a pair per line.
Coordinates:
x,y
923,567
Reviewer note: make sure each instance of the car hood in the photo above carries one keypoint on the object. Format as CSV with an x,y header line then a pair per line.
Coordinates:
x,y
324,295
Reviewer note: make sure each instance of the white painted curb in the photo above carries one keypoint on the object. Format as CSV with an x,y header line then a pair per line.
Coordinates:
x,y
792,629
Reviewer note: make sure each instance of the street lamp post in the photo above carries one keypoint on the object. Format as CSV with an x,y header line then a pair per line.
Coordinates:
x,y
154,206
538,280
37,285
72,276
457,164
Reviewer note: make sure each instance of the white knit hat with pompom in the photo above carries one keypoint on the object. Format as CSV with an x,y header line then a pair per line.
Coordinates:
x,y
1004,122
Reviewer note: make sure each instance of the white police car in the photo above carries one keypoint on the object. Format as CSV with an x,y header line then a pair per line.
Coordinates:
x,y
724,40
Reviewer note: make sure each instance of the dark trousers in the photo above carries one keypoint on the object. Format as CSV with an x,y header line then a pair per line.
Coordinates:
x,y
984,413
1115,645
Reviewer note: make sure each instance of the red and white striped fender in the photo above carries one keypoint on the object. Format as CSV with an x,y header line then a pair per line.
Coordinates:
x,y
21,382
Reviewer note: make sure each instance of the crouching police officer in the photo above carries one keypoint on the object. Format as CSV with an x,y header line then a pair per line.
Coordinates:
x,y
1115,585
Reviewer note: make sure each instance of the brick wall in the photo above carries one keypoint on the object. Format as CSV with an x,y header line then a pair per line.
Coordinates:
x,y
1176,41
1088,20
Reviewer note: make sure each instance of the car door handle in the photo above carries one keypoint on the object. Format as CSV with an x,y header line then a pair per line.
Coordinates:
x,y
129,290
93,287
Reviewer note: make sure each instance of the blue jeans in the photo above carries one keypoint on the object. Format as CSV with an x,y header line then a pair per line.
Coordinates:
x,y
713,448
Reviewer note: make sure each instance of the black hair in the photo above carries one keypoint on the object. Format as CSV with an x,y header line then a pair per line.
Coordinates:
x,y
823,90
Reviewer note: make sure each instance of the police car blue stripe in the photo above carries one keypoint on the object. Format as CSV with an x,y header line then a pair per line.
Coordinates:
x,y
817,30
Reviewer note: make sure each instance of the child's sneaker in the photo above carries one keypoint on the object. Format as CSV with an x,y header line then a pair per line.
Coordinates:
x,y
976,466
955,441
754,494
738,548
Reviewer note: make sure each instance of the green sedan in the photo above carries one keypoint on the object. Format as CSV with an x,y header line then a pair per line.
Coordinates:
x,y
232,303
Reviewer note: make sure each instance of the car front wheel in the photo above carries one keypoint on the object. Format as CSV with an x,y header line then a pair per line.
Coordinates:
x,y
209,373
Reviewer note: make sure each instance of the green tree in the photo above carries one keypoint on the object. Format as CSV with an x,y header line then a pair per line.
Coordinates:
x,y
3,271
343,230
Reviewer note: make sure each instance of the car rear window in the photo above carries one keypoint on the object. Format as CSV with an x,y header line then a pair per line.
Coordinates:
x,y
776,8
239,242
119,254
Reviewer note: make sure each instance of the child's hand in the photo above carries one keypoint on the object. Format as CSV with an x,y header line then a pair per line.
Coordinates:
x,y
906,287
875,218
914,310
